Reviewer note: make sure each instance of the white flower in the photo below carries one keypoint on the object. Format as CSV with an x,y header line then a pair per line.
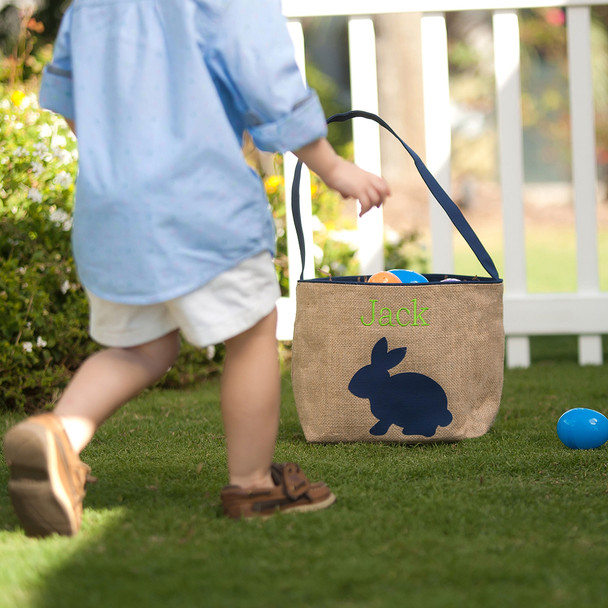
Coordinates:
x,y
63,179
40,343
37,168
317,224
65,287
58,141
317,253
60,218
349,237
45,130
35,195
20,152
392,236
210,352
26,102
61,154
27,347
40,148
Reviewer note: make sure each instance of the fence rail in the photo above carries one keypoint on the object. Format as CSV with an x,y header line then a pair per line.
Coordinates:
x,y
584,313
323,8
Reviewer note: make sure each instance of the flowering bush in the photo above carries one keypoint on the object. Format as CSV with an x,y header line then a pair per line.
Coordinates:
x,y
42,336
43,308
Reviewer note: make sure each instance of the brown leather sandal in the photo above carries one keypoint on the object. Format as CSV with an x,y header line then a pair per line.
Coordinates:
x,y
292,493
47,477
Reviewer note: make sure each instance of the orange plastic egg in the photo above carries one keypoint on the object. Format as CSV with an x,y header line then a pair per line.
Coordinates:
x,y
384,277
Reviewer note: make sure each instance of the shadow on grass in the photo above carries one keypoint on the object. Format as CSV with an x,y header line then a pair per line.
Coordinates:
x,y
151,540
152,535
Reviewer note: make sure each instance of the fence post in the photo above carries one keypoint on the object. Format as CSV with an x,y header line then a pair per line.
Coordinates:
x,y
366,135
438,137
583,167
508,97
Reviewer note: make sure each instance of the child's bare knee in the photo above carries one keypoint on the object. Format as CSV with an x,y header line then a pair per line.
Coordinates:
x,y
160,353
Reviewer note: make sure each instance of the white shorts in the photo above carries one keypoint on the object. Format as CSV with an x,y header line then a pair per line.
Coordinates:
x,y
228,305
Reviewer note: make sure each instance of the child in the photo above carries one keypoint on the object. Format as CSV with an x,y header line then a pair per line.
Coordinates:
x,y
172,231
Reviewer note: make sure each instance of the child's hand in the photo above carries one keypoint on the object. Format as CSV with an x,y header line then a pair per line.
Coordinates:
x,y
343,176
352,181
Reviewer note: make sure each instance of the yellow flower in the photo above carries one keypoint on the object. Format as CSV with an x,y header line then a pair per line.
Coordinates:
x,y
17,97
273,183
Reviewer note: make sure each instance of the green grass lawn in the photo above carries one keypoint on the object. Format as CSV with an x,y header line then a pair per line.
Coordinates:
x,y
550,257
510,519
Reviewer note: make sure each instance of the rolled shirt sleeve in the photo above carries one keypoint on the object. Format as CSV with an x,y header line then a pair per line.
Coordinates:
x,y
303,124
253,57
56,90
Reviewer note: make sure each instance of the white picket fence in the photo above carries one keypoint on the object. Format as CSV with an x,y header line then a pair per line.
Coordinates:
x,y
584,313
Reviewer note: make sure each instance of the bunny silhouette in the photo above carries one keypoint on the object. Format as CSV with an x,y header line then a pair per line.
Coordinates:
x,y
412,401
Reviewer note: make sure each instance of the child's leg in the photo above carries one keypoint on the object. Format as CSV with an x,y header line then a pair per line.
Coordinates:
x,y
250,407
250,403
47,484
107,380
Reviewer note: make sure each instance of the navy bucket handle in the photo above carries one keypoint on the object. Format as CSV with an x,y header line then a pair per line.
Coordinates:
x,y
448,205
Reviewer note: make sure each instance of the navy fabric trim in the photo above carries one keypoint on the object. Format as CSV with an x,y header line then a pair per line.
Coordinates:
x,y
434,279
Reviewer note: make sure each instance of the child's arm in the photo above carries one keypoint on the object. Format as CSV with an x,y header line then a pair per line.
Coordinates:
x,y
343,176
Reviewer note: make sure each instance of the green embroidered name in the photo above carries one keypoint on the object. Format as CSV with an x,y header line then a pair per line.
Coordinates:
x,y
403,316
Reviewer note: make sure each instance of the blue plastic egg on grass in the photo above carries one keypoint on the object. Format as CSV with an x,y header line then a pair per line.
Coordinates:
x,y
409,276
582,429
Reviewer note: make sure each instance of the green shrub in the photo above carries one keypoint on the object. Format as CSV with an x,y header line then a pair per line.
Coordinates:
x,y
43,308
41,305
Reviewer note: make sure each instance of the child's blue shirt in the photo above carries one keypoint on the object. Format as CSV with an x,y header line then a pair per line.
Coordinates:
x,y
161,92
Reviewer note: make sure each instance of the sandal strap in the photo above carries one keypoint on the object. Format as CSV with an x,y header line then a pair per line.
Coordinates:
x,y
290,478
292,491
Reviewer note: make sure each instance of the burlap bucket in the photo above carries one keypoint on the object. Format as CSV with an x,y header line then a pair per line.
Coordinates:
x,y
399,362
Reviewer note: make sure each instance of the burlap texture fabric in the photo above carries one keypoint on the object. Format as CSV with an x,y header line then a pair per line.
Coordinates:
x,y
454,336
